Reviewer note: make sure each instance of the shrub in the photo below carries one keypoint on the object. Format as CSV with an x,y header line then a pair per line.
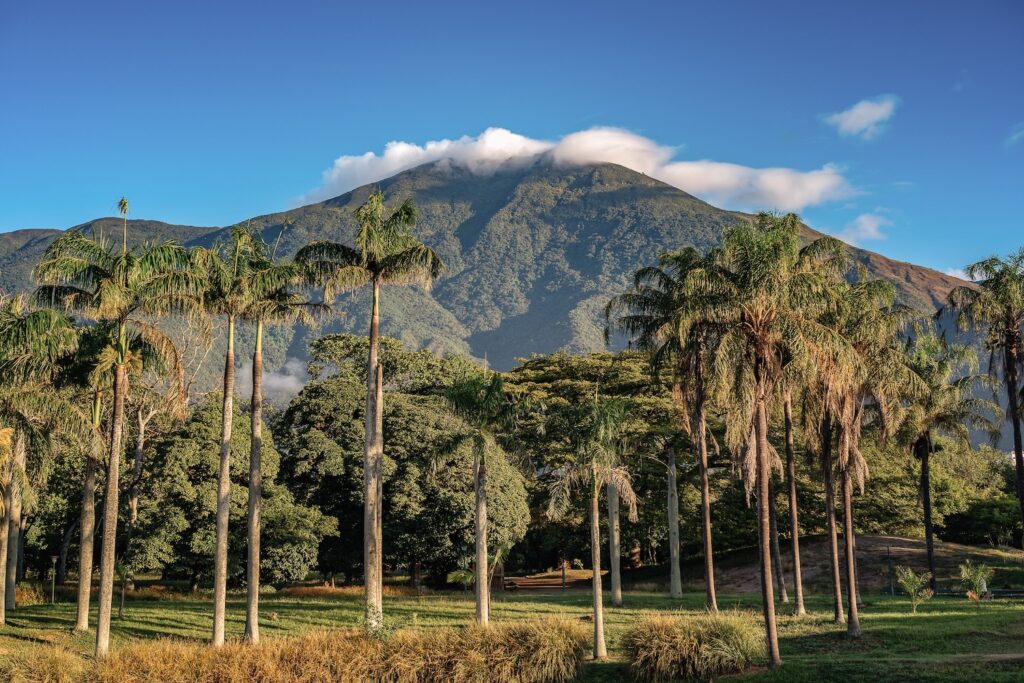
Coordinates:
x,y
914,585
664,648
48,664
30,594
975,579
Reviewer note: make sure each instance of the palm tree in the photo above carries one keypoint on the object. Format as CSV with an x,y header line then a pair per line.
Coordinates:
x,y
773,290
271,301
386,252
228,269
33,344
996,304
482,402
669,312
794,520
82,274
593,435
946,406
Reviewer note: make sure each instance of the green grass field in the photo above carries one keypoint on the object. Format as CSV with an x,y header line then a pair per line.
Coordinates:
x,y
949,639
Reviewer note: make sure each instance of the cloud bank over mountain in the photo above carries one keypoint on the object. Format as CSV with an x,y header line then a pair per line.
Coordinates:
x,y
729,185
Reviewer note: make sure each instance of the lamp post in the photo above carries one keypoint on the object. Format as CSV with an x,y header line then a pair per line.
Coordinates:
x,y
53,579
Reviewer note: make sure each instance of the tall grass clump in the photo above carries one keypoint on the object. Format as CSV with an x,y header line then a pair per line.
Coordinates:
x,y
666,648
45,664
534,651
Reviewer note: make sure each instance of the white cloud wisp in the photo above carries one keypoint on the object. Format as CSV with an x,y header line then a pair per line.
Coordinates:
x,y
866,119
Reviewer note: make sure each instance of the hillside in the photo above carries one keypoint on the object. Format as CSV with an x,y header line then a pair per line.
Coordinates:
x,y
532,253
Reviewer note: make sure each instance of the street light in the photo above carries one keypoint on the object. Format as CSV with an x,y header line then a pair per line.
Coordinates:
x,y
53,579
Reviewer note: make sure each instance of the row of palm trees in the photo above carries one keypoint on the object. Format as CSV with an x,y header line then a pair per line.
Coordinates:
x,y
764,322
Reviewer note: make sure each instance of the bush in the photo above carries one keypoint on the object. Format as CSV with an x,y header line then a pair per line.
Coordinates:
x,y
975,579
665,648
914,585
534,651
30,594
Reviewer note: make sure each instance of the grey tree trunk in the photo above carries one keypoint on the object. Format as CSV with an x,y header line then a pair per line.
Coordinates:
x,y
220,560
110,506
853,622
711,599
600,649
672,501
794,523
372,487
14,523
780,577
255,510
828,477
614,551
5,521
143,419
767,590
61,571
483,574
87,526
1010,362
923,448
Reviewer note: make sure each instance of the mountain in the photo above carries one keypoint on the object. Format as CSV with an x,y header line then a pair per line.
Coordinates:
x,y
532,252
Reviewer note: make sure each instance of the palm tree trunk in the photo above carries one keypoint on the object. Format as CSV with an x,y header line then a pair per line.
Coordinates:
x,y
1013,413
483,584
133,505
110,506
14,523
600,649
780,577
767,590
220,560
614,552
4,527
853,624
87,527
372,487
252,583
923,448
705,503
827,476
676,579
794,524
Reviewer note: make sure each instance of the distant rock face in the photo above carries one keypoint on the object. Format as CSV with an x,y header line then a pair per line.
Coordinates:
x,y
532,254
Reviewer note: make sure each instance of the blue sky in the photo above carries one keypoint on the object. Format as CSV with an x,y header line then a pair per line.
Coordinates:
x,y
901,123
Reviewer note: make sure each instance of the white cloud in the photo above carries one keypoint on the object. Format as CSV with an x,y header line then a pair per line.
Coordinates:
x,y
1016,135
865,227
729,185
866,119
959,273
278,387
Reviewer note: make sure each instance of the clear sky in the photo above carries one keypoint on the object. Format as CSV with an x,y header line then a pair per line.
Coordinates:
x,y
901,124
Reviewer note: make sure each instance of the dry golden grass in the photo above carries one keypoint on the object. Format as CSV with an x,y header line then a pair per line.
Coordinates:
x,y
666,648
537,651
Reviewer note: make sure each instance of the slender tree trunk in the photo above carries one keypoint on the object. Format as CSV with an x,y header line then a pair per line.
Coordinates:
x,y
22,535
853,623
923,448
372,488
780,577
87,528
600,649
767,590
110,506
483,584
252,583
142,420
827,476
614,552
14,522
1013,413
5,521
220,560
61,572
711,599
676,579
794,523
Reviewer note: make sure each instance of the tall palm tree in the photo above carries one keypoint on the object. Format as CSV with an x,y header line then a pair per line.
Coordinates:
x,y
125,289
385,253
794,516
228,269
482,401
946,406
271,301
773,291
996,304
669,311
593,435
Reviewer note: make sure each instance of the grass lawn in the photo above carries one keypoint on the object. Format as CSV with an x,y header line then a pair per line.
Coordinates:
x,y
949,639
